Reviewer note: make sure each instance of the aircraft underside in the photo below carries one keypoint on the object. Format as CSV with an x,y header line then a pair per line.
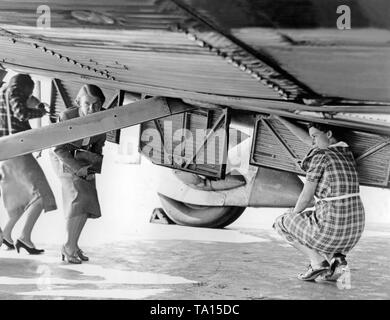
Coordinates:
x,y
222,100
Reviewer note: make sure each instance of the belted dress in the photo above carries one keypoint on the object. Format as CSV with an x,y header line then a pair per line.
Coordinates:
x,y
337,223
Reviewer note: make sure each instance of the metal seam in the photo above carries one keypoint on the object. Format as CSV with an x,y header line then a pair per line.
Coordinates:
x,y
244,67
56,54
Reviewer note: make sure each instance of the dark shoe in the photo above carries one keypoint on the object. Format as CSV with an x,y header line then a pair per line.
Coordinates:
x,y
9,245
19,244
81,255
70,258
339,263
311,274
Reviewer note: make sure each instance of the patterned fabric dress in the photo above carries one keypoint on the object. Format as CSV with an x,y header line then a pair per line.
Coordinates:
x,y
336,225
22,180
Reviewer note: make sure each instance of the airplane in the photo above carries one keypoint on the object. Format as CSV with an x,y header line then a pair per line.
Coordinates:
x,y
222,90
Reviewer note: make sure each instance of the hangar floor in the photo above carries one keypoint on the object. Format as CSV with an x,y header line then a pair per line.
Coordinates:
x,y
174,262
133,259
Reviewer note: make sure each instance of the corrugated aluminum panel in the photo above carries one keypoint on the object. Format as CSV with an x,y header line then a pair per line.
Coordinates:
x,y
275,146
201,149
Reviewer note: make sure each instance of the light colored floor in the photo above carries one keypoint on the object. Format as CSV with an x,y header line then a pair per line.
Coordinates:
x,y
133,259
174,262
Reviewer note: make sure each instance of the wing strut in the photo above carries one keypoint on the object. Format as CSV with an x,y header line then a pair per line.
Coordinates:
x,y
94,124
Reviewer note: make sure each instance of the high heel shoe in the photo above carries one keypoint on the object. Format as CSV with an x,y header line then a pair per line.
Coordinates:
x,y
81,255
9,245
70,258
311,274
31,250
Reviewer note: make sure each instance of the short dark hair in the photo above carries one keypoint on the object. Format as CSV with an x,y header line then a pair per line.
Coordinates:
x,y
325,128
22,81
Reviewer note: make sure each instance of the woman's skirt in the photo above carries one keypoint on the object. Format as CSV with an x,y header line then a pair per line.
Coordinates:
x,y
79,196
22,182
331,228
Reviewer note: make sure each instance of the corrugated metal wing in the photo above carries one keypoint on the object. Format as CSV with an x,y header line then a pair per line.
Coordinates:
x,y
275,146
194,141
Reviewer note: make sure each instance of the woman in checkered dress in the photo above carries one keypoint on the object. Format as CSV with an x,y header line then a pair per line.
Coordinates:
x,y
24,188
329,232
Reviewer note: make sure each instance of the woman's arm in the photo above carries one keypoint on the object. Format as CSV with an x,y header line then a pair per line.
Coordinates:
x,y
96,152
306,197
65,152
97,147
316,164
20,109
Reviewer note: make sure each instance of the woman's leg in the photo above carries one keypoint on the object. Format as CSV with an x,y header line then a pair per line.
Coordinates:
x,y
74,226
314,257
79,229
33,212
9,226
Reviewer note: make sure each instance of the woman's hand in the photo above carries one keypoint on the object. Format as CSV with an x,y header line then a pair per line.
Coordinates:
x,y
33,102
306,196
44,108
90,177
83,171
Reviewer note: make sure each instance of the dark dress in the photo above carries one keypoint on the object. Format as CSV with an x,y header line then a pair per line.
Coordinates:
x,y
336,225
22,181
79,195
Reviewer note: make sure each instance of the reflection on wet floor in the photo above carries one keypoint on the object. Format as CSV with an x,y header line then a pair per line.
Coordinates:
x,y
99,293
256,264
51,278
